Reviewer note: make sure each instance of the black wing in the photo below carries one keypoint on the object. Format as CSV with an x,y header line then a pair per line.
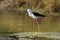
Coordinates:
x,y
37,14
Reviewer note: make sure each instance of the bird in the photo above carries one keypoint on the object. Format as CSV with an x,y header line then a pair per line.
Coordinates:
x,y
34,15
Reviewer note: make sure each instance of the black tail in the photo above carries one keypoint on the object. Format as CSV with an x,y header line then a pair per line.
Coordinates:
x,y
42,15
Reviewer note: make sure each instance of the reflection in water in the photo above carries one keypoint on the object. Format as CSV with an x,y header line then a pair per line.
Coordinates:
x,y
19,21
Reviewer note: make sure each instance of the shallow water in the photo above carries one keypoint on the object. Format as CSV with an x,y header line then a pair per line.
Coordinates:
x,y
19,21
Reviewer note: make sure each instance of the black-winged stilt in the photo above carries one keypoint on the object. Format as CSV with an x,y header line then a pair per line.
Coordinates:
x,y
34,15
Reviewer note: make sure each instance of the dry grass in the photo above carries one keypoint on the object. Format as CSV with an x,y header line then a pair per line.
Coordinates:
x,y
46,5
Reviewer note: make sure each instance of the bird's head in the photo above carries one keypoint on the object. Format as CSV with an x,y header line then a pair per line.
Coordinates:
x,y
29,10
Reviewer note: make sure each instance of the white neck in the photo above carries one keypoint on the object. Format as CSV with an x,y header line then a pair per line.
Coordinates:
x,y
30,12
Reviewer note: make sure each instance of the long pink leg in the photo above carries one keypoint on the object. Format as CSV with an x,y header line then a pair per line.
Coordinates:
x,y
38,26
36,23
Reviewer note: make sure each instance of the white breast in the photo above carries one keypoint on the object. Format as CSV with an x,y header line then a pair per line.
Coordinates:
x,y
31,15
